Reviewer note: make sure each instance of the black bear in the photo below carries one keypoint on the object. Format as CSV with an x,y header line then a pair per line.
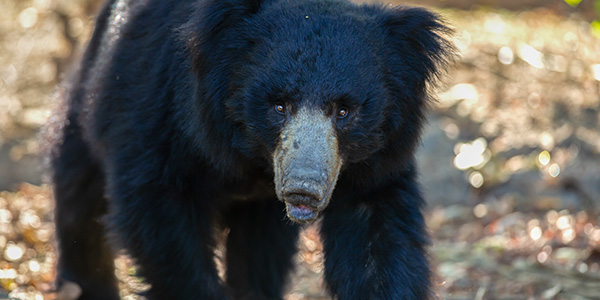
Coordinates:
x,y
187,116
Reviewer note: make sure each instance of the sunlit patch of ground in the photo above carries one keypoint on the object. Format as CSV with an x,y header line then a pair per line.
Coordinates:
x,y
488,252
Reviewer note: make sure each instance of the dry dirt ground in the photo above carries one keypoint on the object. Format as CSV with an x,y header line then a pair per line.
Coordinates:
x,y
509,161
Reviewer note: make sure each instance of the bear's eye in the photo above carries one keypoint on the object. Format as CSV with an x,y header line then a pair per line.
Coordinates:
x,y
280,108
342,112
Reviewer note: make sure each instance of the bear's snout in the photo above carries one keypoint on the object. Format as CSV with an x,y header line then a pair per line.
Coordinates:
x,y
306,165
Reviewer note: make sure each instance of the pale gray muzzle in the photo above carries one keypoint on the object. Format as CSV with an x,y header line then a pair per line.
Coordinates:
x,y
306,164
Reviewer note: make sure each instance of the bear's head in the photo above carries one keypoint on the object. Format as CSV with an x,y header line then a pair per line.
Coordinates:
x,y
315,90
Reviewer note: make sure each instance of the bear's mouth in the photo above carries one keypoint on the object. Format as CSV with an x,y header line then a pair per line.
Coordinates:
x,y
301,213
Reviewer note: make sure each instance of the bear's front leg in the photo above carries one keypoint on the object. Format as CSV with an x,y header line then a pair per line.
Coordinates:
x,y
375,244
168,232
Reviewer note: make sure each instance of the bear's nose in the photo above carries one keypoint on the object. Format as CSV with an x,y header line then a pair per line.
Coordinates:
x,y
304,182
305,193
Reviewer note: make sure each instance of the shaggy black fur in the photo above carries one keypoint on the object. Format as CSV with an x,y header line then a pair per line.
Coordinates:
x,y
169,131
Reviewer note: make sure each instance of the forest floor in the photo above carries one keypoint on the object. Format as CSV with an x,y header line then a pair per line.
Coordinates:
x,y
509,161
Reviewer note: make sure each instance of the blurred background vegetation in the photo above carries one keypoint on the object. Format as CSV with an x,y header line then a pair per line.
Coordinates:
x,y
509,161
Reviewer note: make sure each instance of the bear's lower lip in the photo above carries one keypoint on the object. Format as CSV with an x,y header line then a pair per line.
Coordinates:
x,y
300,213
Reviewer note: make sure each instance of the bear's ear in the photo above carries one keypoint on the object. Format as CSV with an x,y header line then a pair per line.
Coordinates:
x,y
418,40
207,29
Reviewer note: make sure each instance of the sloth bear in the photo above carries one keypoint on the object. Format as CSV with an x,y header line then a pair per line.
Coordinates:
x,y
188,117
